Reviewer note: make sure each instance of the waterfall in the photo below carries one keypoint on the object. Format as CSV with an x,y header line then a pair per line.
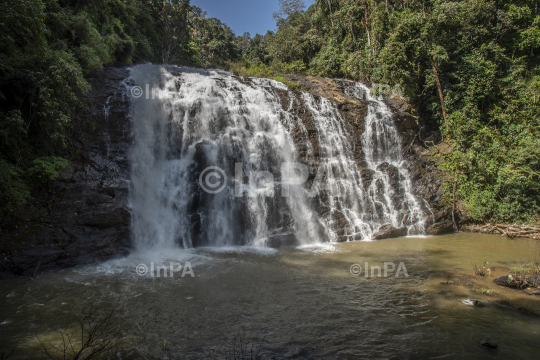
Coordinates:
x,y
389,195
214,163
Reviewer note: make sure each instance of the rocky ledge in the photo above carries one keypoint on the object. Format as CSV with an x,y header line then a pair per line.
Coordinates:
x,y
387,231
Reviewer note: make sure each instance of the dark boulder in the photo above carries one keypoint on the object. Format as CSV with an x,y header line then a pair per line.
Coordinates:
x,y
514,282
387,231
442,214
442,227
534,280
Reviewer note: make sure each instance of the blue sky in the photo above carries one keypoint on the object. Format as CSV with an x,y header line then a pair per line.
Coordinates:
x,y
253,16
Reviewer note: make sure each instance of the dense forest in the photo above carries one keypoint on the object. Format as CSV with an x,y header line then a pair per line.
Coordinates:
x,y
469,67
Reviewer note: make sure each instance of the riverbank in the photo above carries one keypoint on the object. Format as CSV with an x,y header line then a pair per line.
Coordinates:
x,y
508,230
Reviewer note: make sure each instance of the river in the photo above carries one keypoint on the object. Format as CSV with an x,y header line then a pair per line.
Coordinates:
x,y
301,303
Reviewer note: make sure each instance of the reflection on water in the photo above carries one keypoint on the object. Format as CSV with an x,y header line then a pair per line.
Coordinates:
x,y
297,303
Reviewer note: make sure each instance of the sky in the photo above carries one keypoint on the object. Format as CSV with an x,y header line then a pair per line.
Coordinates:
x,y
253,16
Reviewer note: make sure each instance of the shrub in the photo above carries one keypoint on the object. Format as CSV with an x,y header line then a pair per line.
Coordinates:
x,y
44,170
13,191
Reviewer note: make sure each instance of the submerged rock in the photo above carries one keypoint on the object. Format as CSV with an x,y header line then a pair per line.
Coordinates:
x,y
442,227
388,231
489,345
282,240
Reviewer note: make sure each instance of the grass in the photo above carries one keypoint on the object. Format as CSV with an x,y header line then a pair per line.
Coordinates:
x,y
265,71
485,291
293,85
526,269
482,271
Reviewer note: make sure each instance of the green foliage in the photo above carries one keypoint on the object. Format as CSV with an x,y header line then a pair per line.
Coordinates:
x,y
44,170
22,26
247,69
254,50
485,291
526,269
214,42
297,66
13,191
293,85
327,62
262,70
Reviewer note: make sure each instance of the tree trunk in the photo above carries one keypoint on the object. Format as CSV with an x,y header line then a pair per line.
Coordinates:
x,y
368,37
331,17
440,93
332,21
352,33
454,206
366,17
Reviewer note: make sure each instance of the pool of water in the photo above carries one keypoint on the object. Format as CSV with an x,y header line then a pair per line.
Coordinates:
x,y
301,303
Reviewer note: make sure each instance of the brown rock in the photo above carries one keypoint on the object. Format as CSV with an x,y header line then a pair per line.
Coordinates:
x,y
387,231
442,227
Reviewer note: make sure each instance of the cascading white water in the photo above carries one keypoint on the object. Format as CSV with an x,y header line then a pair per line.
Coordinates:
x,y
390,193
388,198
198,119
188,120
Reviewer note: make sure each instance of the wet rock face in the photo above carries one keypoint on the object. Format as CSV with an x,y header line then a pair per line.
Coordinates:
x,y
442,227
387,231
426,180
85,217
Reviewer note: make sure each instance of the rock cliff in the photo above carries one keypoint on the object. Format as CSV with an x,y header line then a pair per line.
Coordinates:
x,y
86,216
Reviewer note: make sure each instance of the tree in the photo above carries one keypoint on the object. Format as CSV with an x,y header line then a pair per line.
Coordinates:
x,y
288,8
